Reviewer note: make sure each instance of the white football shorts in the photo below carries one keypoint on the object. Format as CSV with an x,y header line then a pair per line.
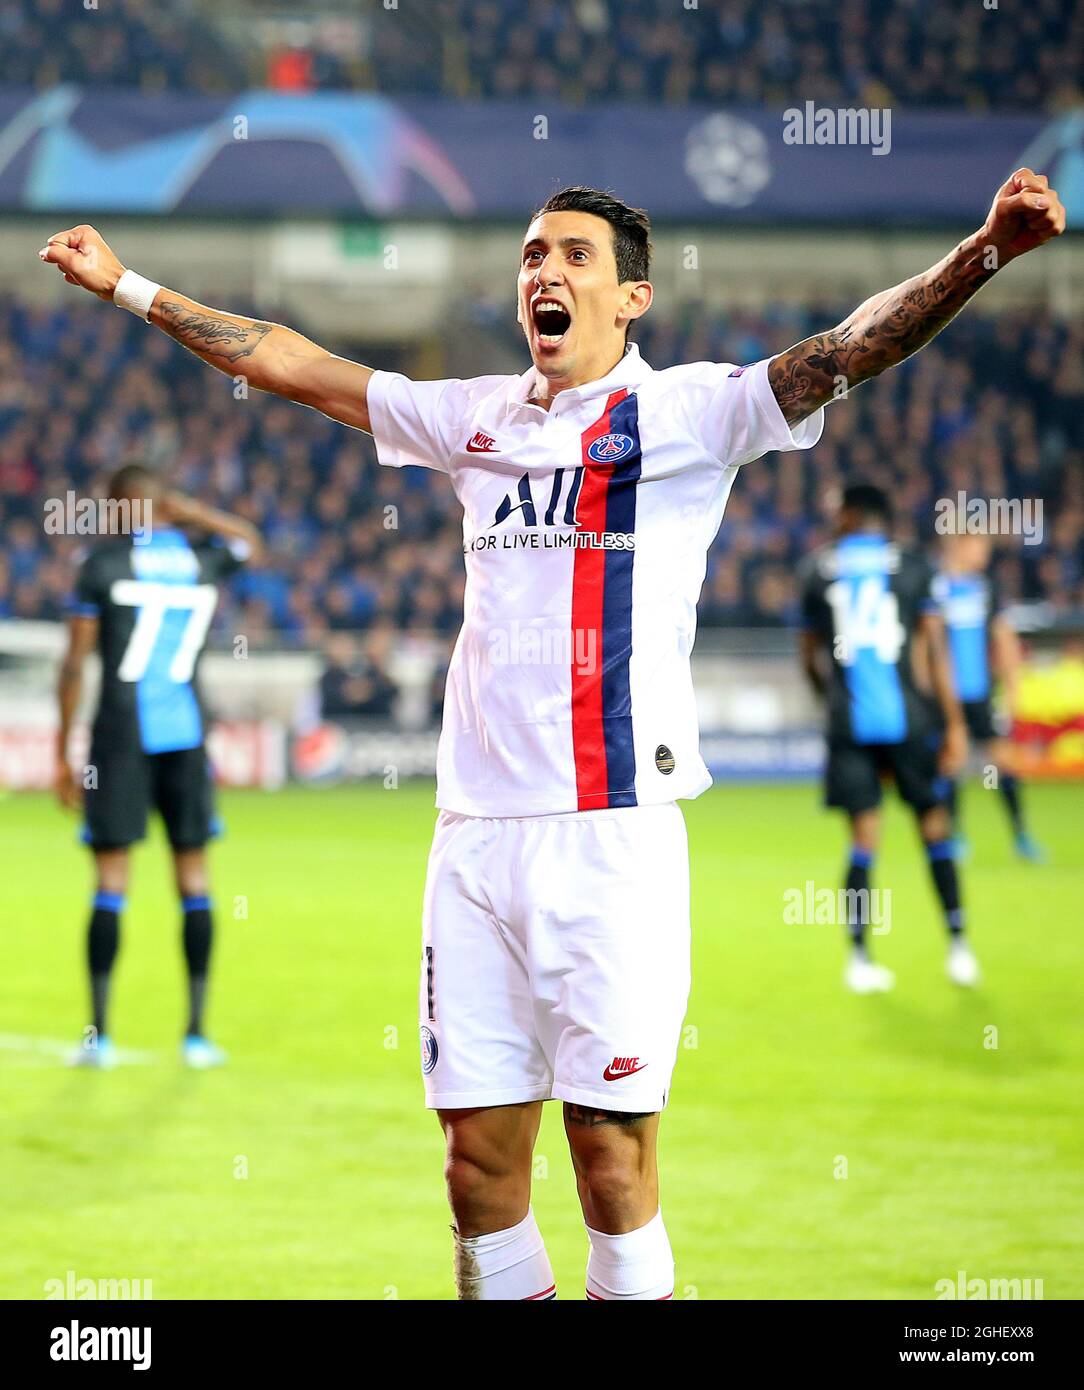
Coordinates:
x,y
555,961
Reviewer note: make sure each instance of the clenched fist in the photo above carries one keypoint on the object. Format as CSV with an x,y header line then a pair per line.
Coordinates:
x,y
1025,212
84,259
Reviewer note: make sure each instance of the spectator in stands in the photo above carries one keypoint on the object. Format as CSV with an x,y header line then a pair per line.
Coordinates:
x,y
994,407
355,682
729,52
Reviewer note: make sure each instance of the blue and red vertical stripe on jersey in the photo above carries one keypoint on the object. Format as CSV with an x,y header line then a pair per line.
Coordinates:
x,y
602,618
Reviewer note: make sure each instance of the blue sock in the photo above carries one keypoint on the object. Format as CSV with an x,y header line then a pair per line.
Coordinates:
x,y
941,854
197,935
858,907
1009,786
103,942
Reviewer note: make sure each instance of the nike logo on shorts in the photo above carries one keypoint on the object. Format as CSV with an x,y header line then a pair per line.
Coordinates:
x,y
623,1066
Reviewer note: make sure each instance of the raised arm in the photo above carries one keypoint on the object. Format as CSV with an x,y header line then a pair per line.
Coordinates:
x,y
895,323
189,511
269,356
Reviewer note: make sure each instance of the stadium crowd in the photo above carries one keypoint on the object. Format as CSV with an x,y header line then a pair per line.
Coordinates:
x,y
914,52
993,407
114,43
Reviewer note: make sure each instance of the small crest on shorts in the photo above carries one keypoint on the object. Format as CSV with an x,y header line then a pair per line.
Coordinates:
x,y
664,760
430,1050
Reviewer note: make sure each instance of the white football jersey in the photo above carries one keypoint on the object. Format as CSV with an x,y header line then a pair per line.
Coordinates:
x,y
585,531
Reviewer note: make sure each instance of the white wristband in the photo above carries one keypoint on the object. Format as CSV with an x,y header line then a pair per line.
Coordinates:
x,y
135,294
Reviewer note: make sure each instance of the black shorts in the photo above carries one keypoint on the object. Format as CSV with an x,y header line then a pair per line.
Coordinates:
x,y
130,782
854,772
982,723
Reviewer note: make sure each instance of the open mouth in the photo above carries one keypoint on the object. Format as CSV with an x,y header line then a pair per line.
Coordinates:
x,y
551,320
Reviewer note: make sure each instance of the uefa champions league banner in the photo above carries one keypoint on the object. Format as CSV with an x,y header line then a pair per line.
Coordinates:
x,y
68,150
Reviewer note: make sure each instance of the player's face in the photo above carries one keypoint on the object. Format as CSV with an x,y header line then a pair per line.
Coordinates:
x,y
143,504
971,554
572,308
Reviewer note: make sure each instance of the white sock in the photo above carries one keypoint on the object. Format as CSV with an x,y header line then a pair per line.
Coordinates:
x,y
504,1264
638,1264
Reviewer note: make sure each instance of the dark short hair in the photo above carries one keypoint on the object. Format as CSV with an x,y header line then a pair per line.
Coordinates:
x,y
133,480
631,227
867,500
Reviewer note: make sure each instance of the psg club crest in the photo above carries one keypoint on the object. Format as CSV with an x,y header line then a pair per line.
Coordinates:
x,y
429,1051
609,448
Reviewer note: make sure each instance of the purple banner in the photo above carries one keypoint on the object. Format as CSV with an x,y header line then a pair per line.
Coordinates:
x,y
344,154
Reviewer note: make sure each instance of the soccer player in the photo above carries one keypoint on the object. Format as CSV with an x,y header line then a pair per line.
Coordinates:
x,y
982,644
144,598
865,605
555,959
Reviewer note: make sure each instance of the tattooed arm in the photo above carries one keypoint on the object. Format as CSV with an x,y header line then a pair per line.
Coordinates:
x,y
894,324
269,356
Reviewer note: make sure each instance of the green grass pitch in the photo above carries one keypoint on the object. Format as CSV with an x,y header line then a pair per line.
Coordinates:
x,y
309,1168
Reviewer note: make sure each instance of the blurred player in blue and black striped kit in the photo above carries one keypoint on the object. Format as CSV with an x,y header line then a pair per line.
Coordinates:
x,y
871,615
983,647
144,598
